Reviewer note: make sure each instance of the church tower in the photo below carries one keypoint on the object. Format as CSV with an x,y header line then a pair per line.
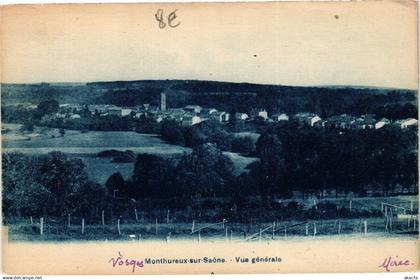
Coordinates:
x,y
163,101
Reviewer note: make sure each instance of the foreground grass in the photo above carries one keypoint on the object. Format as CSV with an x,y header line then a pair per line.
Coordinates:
x,y
236,231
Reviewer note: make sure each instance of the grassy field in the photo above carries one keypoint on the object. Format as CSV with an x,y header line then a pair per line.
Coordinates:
x,y
362,203
87,145
156,225
90,142
180,231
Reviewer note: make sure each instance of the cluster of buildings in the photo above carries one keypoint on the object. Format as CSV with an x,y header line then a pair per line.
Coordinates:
x,y
194,114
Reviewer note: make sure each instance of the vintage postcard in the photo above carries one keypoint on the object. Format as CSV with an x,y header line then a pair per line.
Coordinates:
x,y
209,138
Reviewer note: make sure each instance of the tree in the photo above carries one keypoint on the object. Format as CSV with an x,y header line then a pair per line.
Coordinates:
x,y
46,107
172,132
28,126
269,147
22,195
244,145
89,200
63,177
204,172
115,184
62,132
209,132
152,177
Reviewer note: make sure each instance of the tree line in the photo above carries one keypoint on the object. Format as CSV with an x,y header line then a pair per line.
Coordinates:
x,y
308,160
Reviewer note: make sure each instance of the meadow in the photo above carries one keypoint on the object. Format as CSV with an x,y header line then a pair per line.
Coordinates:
x,y
86,146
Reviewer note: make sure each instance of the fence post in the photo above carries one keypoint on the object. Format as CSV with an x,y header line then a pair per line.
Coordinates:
x,y
103,218
307,229
156,227
411,206
118,226
350,202
83,226
386,211
414,224
226,233
390,222
285,233
339,227
135,215
68,220
274,230
193,226
41,228
314,229
365,224
260,235
382,207
231,233
167,217
199,236
32,221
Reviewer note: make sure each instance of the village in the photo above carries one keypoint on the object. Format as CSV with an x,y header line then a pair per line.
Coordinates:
x,y
194,114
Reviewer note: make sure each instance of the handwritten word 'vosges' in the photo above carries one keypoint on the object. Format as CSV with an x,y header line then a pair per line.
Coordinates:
x,y
121,261
169,19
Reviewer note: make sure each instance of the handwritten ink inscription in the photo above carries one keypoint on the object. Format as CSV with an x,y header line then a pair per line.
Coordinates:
x,y
170,20
390,262
121,261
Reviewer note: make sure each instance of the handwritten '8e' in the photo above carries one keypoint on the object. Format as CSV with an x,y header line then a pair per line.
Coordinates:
x,y
159,15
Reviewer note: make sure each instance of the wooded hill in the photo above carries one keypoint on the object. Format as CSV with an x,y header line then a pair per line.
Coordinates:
x,y
231,97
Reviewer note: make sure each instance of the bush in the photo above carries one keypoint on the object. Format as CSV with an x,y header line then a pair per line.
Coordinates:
x,y
118,156
243,145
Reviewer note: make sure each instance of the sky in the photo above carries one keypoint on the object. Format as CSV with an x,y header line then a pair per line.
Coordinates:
x,y
352,43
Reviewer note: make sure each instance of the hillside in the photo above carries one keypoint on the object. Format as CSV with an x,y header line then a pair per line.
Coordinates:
x,y
328,100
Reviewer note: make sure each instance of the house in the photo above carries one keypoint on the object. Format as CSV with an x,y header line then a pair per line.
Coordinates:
x,y
280,117
126,112
241,116
115,112
313,120
60,115
364,122
407,122
220,116
259,113
224,117
382,123
189,120
309,119
263,114
175,114
212,110
159,119
343,121
74,116
193,108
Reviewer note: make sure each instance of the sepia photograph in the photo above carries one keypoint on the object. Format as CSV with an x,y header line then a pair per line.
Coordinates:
x,y
210,137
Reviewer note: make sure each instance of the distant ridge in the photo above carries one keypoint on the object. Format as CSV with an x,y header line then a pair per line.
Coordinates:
x,y
180,81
